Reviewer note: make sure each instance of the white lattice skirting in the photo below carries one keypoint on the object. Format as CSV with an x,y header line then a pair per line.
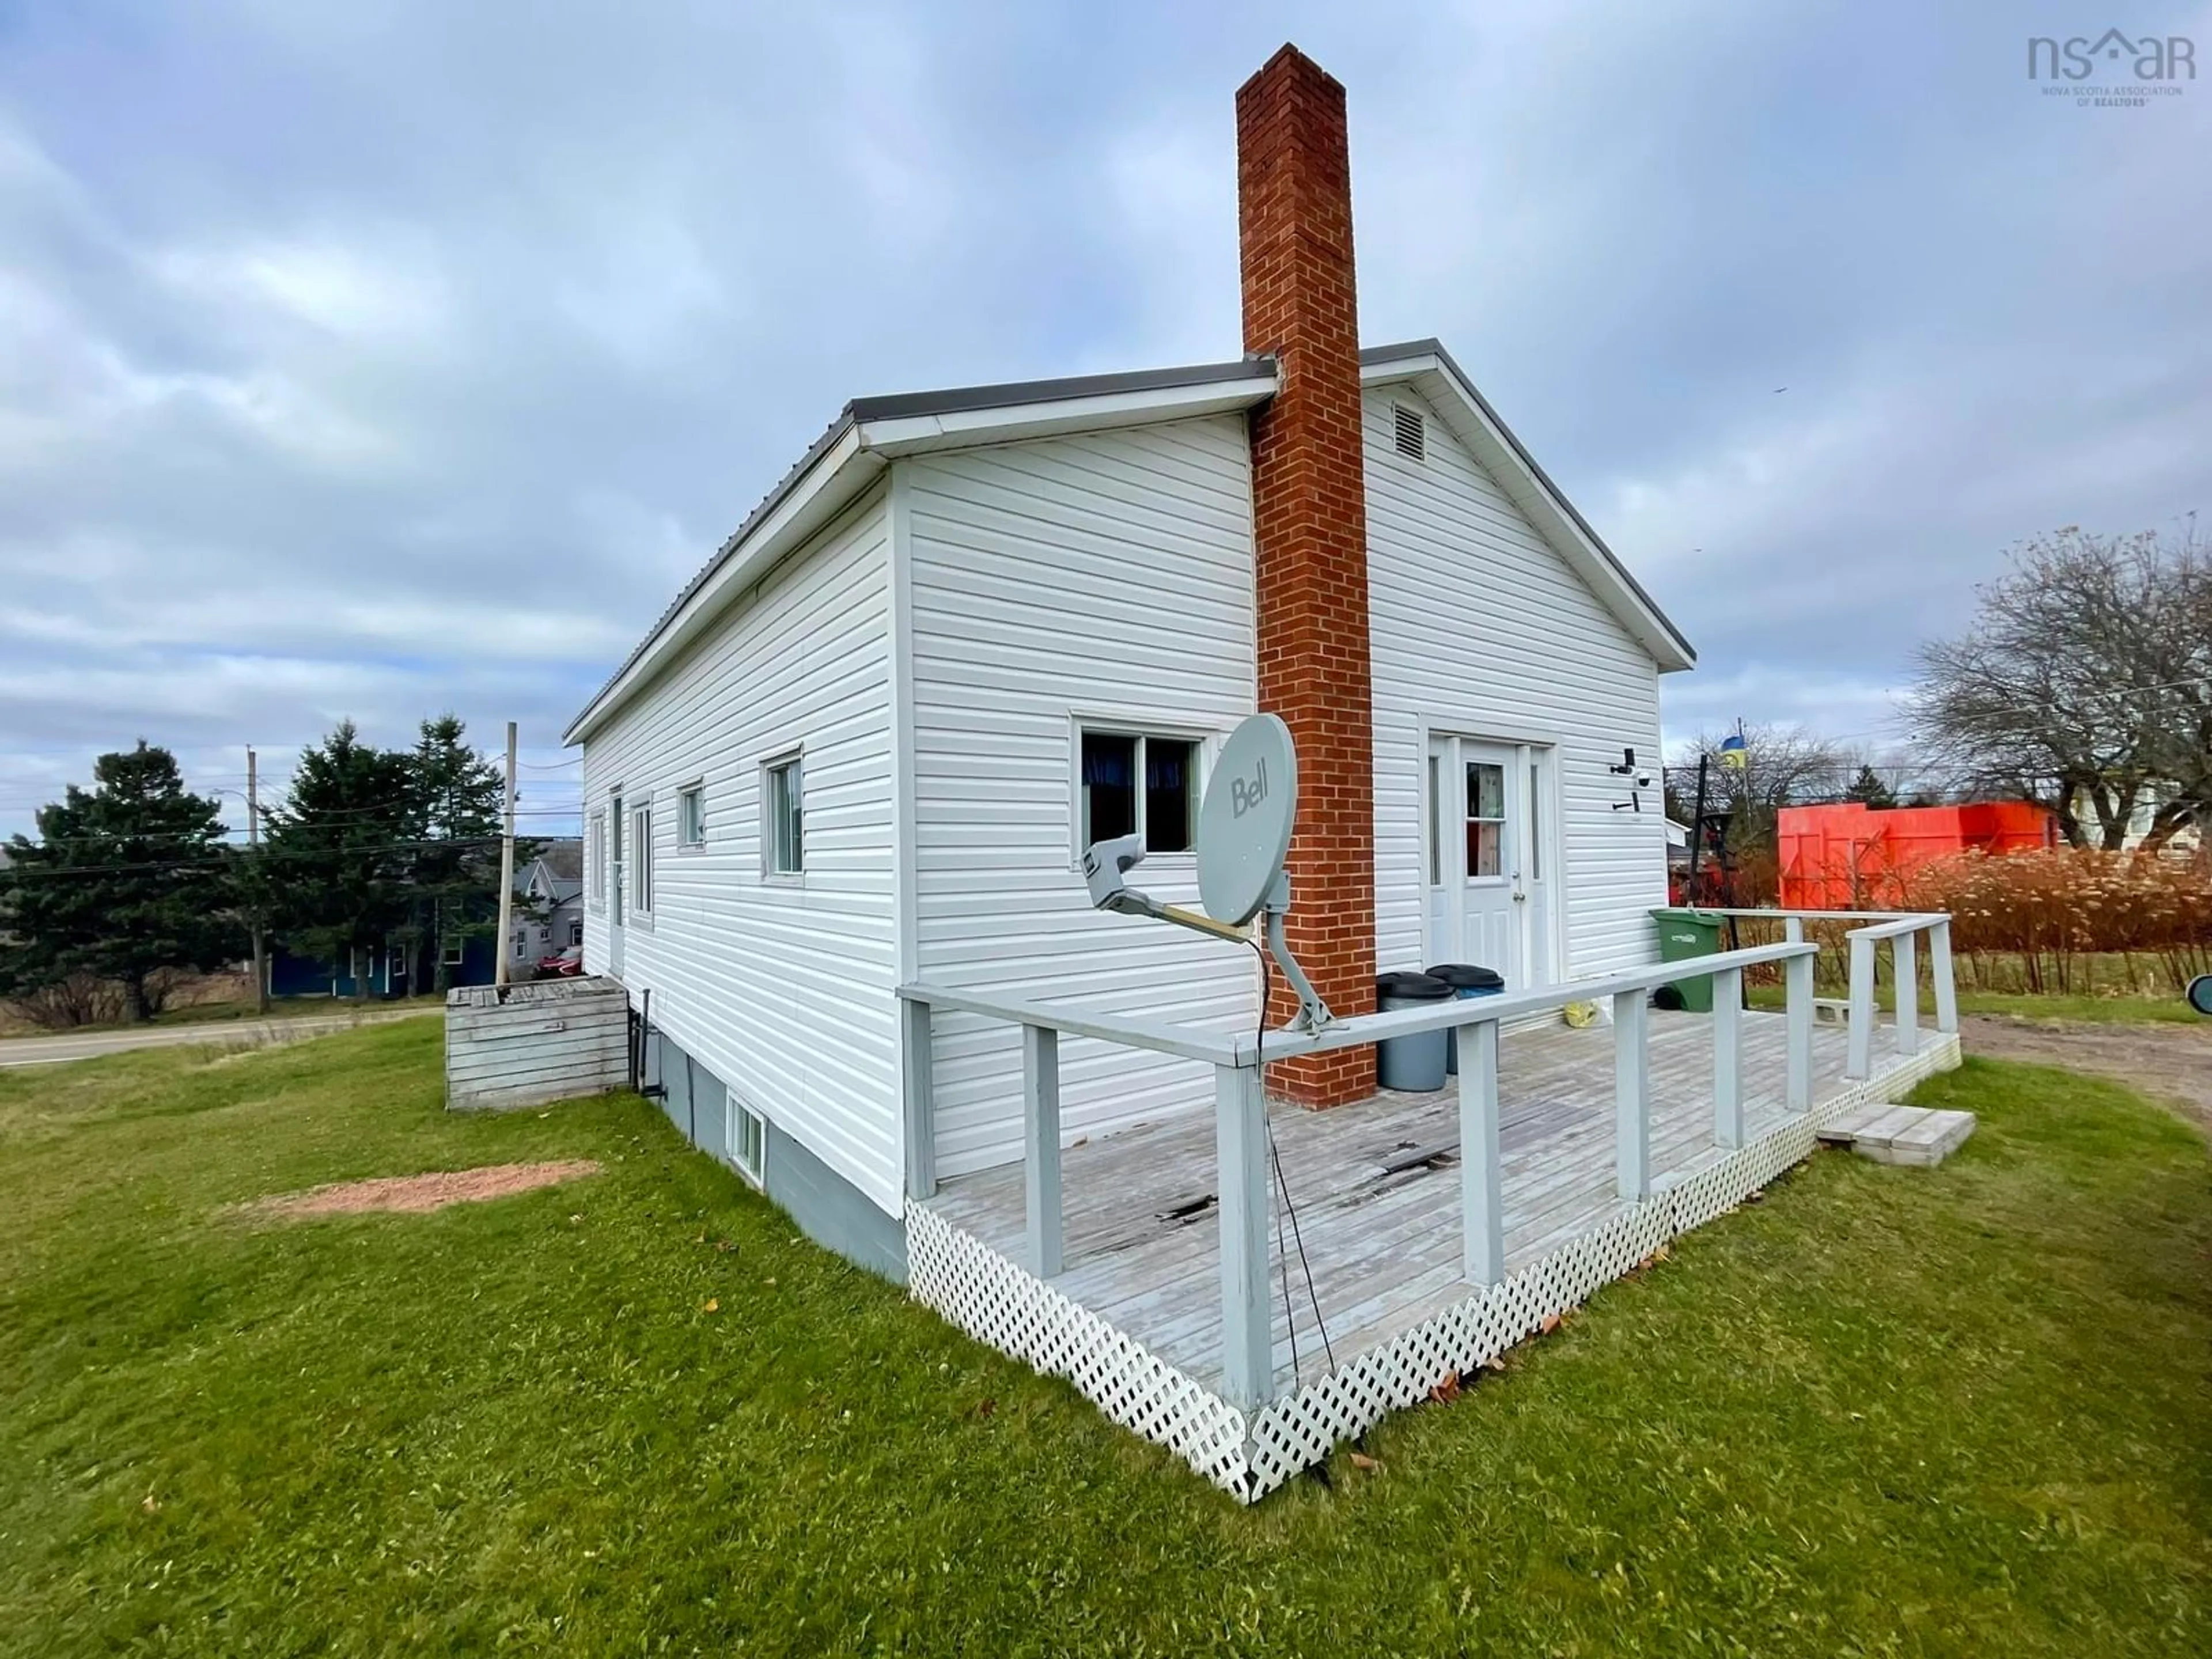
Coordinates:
x,y
1001,1303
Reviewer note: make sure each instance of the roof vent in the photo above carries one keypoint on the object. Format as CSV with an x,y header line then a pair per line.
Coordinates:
x,y
1412,435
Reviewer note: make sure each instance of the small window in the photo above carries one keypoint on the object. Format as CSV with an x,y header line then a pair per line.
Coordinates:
x,y
1137,784
1435,823
1485,819
1411,432
640,838
575,932
1535,856
452,954
784,837
545,936
692,816
595,834
748,1140
398,964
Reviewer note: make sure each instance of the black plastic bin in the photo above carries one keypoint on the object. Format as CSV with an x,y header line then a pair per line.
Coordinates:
x,y
1467,980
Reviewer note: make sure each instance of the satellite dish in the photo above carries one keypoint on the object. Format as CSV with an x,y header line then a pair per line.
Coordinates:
x,y
1244,823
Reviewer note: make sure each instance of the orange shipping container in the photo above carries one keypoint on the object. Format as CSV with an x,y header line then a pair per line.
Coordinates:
x,y
1848,856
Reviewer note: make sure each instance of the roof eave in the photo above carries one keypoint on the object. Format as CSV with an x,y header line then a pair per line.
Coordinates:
x,y
870,435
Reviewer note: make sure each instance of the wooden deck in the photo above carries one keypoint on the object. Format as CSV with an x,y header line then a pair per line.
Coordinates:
x,y
1384,1245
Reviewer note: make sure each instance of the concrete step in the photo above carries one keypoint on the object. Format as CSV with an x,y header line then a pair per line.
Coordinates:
x,y
1901,1135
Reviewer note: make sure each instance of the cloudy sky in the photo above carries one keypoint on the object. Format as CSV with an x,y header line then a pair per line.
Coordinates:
x,y
372,359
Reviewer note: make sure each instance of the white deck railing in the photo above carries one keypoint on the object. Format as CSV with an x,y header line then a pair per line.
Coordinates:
x,y
1240,1105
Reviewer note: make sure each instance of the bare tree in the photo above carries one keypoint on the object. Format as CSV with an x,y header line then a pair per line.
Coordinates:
x,y
2084,682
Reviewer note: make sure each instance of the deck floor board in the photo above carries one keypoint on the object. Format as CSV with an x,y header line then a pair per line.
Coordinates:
x,y
1384,1252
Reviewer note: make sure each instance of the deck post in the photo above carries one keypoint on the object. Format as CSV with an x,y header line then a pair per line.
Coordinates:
x,y
1939,970
1858,1063
1793,930
1797,1012
1041,1147
1482,1202
1728,1057
1631,1093
1904,956
920,1102
1240,1138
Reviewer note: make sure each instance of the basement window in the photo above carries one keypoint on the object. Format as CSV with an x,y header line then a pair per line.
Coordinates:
x,y
748,1140
1412,432
1138,783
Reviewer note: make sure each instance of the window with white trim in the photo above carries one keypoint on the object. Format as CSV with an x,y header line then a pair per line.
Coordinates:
x,y
1485,820
639,892
748,1140
783,807
691,816
453,951
595,855
575,932
1140,783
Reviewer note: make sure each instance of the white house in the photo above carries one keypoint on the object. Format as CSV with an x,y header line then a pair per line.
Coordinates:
x,y
970,630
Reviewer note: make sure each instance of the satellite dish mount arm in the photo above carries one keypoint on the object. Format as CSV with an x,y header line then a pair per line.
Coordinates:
x,y
1313,1013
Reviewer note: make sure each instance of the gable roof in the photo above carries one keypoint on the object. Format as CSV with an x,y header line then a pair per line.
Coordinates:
x,y
1429,367
563,858
870,432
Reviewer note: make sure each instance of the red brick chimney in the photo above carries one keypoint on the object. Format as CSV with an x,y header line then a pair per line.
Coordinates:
x,y
1309,527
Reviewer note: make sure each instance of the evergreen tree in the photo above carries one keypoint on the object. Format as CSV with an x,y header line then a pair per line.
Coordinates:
x,y
458,819
1869,789
123,882
340,851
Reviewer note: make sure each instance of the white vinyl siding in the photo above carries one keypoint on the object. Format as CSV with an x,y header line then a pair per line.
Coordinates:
x,y
1101,580
1478,628
784,992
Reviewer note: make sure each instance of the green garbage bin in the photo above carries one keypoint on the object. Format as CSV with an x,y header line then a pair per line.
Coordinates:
x,y
1683,935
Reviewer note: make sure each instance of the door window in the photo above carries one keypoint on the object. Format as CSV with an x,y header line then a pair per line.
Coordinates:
x,y
1485,820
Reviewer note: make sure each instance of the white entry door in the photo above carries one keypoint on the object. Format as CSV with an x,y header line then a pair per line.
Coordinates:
x,y
615,832
1490,887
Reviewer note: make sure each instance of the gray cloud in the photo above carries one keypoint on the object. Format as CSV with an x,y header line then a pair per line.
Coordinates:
x,y
377,360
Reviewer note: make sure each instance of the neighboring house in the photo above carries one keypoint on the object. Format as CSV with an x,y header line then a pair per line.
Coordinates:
x,y
2150,801
548,916
549,908
972,630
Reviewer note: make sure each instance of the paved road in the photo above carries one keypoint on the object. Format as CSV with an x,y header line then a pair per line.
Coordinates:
x,y
52,1050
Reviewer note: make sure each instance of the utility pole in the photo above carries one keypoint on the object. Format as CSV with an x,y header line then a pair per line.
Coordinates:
x,y
253,842
507,868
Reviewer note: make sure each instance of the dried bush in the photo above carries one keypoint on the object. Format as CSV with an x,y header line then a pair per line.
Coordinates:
x,y
85,999
80,1000
2044,922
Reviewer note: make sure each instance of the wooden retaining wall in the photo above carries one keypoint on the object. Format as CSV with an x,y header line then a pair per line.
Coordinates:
x,y
550,1039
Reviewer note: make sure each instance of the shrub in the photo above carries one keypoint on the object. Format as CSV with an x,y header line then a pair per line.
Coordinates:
x,y
2055,913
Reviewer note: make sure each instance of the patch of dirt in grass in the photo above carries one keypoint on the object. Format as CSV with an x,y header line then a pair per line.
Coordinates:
x,y
2170,1063
414,1195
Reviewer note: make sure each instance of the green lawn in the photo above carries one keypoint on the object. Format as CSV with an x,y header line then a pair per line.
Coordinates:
x,y
1884,1412
2102,1009
209,1013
